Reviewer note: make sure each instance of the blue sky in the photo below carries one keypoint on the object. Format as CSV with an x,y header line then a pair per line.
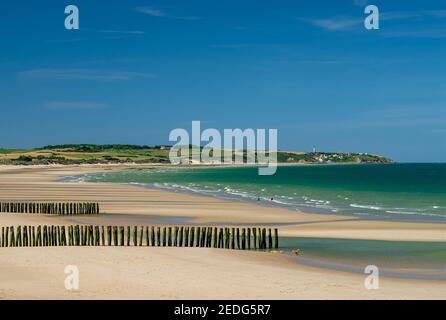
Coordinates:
x,y
137,69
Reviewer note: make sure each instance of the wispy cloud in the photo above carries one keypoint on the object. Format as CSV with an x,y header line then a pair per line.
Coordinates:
x,y
161,14
335,23
124,32
82,74
151,11
345,23
73,105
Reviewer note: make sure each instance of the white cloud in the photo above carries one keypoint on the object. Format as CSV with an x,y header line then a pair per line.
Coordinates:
x,y
335,23
350,23
151,11
161,14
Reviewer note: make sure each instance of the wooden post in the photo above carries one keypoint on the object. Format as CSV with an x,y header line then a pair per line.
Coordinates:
x,y
214,238
227,235
276,238
135,236
238,239
19,237
270,239
192,236
175,237
259,239
186,237
12,234
180,236
158,236
128,236
25,236
147,237
243,239
103,235
115,235
248,237
169,237
220,238
203,237
109,235
6,238
198,231
141,236
153,236
164,236
122,236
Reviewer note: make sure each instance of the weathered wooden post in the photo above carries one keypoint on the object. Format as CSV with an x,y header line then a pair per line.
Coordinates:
x,y
243,239
220,238
18,241
239,246
192,237
141,236
115,235
129,236
198,236
164,237
25,236
214,238
6,238
186,236
203,237
147,237
180,236
135,236
270,239
122,236
98,236
175,237
109,235
45,236
153,235
169,237
33,236
259,245
103,235
233,238
158,236
276,237
248,237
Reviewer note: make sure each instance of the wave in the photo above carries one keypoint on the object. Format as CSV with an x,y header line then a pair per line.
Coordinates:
x,y
365,206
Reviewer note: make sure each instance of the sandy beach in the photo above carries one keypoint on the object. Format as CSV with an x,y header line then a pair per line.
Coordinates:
x,y
187,273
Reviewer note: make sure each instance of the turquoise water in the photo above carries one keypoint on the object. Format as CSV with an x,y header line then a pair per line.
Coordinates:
x,y
393,258
378,191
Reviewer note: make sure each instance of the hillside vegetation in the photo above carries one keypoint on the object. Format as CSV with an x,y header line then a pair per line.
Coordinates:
x,y
118,153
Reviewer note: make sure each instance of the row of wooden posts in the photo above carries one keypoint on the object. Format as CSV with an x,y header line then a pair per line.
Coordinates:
x,y
176,236
60,208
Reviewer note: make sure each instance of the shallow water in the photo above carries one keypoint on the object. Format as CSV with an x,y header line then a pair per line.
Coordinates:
x,y
407,192
426,260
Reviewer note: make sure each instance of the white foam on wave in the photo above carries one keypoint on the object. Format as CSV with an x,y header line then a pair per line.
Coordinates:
x,y
361,206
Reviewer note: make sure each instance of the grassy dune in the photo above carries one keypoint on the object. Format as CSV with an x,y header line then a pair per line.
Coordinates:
x,y
88,154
